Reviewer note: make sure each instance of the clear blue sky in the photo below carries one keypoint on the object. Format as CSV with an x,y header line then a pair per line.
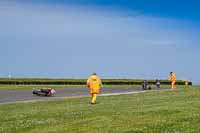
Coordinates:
x,y
115,38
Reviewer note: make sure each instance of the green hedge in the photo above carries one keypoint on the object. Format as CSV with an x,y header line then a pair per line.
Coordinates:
x,y
46,81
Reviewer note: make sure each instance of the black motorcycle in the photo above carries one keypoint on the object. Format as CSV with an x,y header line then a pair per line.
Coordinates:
x,y
43,92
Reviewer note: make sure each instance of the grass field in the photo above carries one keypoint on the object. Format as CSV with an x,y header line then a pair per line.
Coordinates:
x,y
48,81
30,83
73,80
29,87
150,112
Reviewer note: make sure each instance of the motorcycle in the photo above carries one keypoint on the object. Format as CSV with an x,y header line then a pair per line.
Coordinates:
x,y
43,92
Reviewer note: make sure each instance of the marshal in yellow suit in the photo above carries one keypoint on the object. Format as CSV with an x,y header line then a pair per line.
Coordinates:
x,y
94,85
172,78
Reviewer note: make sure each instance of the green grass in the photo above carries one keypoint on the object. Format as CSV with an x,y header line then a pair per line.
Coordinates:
x,y
71,80
39,81
29,87
150,112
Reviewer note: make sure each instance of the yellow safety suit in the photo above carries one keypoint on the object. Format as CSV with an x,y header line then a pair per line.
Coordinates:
x,y
186,83
172,78
94,85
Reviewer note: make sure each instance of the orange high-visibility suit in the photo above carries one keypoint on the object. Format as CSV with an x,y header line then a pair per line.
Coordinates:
x,y
94,84
172,78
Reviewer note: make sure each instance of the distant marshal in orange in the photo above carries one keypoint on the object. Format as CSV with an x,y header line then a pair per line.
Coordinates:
x,y
172,78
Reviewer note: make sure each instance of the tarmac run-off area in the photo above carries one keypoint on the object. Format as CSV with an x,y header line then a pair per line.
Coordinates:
x,y
12,96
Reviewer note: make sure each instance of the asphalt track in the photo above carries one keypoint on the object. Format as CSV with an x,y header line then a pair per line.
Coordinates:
x,y
12,96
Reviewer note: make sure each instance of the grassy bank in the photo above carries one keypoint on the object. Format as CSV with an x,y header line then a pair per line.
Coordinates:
x,y
30,83
164,111
43,81
30,87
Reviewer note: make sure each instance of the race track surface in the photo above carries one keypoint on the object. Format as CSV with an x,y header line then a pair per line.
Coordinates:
x,y
11,96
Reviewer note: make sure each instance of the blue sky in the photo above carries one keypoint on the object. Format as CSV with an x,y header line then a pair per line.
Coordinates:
x,y
121,39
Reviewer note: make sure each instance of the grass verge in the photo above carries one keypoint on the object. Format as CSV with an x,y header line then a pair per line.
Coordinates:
x,y
163,111
30,87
